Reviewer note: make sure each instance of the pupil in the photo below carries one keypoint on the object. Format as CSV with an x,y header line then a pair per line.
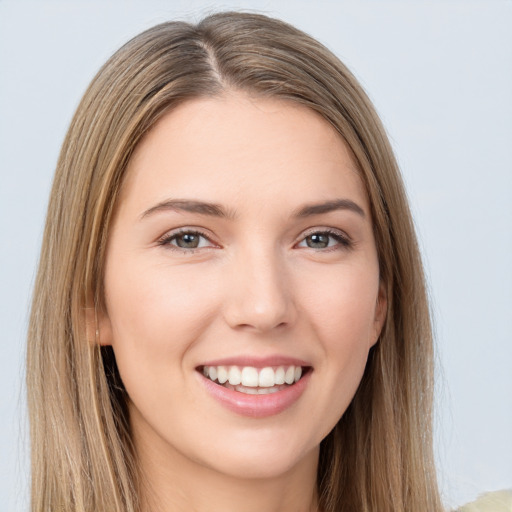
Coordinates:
x,y
318,241
188,241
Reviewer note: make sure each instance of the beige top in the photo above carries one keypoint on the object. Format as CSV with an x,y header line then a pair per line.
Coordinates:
x,y
498,501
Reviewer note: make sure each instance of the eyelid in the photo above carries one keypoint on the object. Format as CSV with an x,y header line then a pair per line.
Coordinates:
x,y
344,240
165,240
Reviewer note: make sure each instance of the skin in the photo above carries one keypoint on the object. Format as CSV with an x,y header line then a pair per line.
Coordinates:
x,y
253,287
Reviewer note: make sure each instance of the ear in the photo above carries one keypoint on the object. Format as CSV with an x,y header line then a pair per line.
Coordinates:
x,y
98,327
381,309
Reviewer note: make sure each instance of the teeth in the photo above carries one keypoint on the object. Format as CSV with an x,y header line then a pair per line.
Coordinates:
x,y
222,374
234,375
289,376
247,390
267,378
268,391
279,379
253,380
249,377
257,391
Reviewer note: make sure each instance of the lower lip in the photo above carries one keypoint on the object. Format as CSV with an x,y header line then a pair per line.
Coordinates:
x,y
257,406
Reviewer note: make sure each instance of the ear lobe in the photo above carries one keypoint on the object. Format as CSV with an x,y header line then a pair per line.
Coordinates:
x,y
381,308
98,327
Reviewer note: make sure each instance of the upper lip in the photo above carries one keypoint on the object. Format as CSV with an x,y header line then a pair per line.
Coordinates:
x,y
257,362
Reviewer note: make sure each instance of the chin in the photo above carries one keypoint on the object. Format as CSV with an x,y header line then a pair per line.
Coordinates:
x,y
264,459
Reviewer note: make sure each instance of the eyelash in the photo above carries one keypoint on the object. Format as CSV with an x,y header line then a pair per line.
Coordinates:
x,y
342,240
168,238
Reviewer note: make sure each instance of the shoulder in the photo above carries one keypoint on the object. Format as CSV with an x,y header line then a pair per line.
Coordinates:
x,y
498,501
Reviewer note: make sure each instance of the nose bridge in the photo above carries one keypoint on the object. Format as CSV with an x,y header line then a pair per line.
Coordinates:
x,y
259,294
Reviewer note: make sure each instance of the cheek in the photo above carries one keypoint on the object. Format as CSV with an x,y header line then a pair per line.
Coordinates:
x,y
343,318
342,307
155,314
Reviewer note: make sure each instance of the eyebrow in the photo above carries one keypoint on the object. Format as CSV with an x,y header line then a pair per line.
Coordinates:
x,y
186,205
330,206
216,210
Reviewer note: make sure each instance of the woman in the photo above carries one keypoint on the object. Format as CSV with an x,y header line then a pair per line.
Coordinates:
x,y
230,310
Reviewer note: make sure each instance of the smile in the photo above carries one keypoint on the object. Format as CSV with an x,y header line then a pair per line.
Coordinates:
x,y
252,380
256,389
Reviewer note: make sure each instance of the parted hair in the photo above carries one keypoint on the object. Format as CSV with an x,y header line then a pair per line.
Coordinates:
x,y
379,455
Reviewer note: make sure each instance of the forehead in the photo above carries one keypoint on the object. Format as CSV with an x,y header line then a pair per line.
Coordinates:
x,y
237,147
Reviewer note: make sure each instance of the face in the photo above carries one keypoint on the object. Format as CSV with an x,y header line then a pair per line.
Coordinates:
x,y
241,285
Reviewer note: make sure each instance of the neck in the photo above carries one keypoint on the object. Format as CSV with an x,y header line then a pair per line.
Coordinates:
x,y
171,482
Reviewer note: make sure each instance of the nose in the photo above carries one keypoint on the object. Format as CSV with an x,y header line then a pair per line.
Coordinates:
x,y
259,295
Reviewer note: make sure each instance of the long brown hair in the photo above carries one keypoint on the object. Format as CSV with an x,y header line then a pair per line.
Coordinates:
x,y
379,455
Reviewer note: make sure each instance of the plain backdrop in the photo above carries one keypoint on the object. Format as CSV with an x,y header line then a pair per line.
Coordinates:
x,y
440,75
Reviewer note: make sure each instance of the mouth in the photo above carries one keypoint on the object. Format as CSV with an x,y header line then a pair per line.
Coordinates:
x,y
252,380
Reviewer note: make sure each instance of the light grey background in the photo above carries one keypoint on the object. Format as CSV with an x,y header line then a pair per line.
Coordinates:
x,y
440,74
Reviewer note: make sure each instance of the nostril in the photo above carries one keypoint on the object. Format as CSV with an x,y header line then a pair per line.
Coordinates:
x,y
257,298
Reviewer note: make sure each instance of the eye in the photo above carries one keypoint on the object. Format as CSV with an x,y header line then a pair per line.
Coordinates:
x,y
186,239
325,240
